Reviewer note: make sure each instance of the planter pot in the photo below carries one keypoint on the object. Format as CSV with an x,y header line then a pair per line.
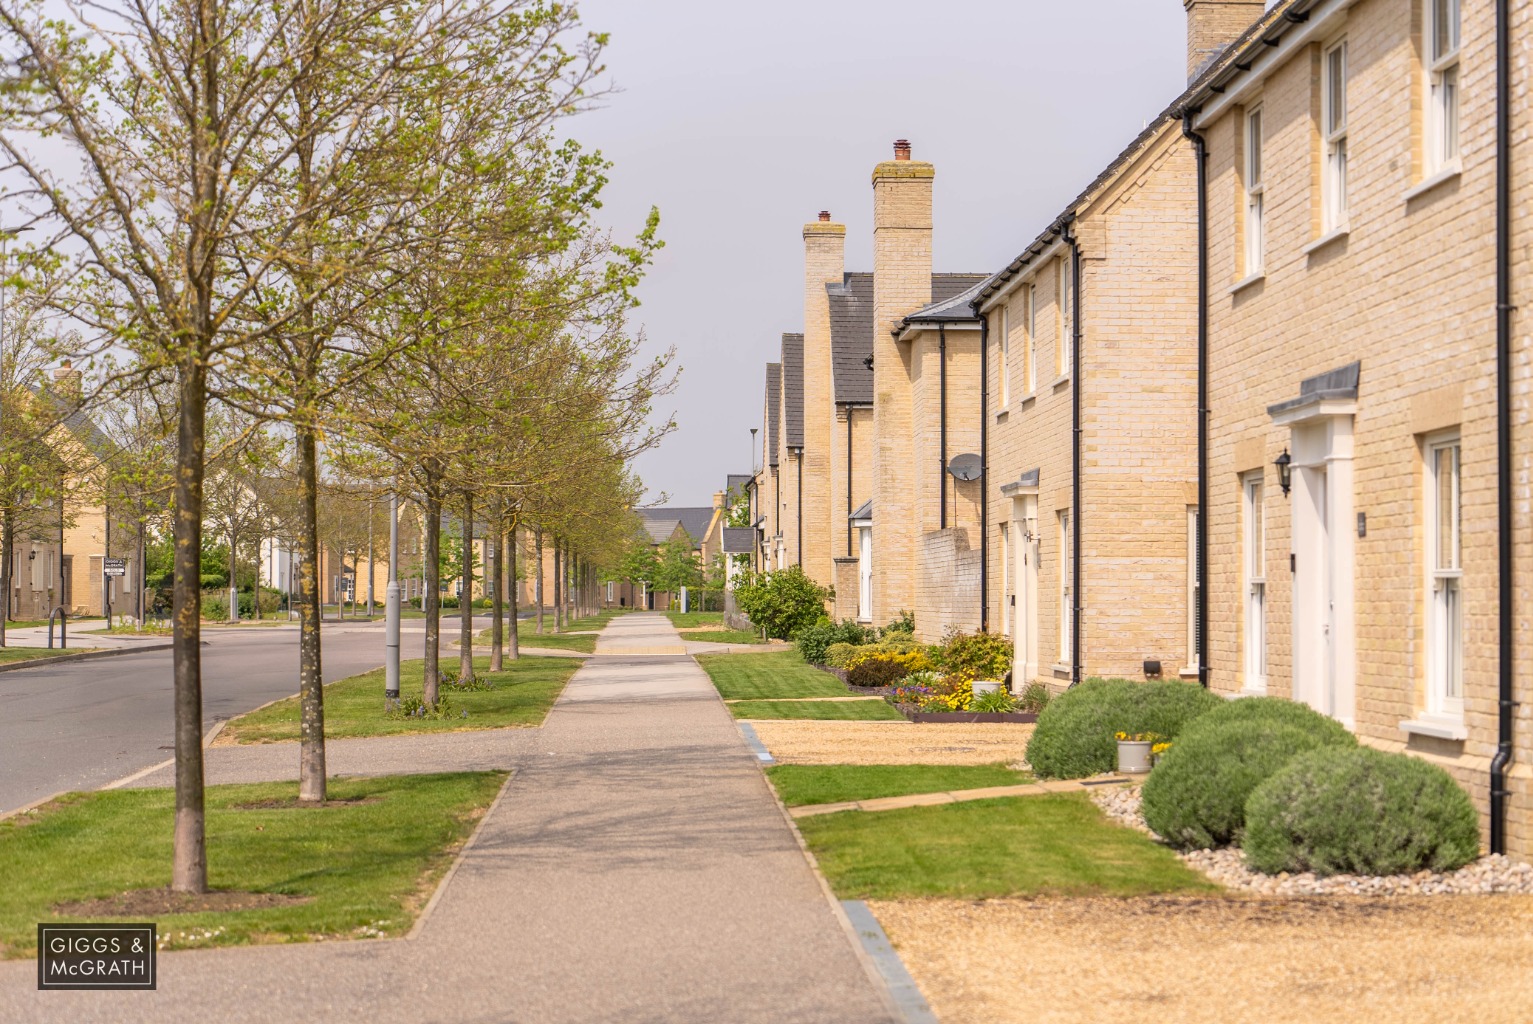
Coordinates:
x,y
1134,756
980,686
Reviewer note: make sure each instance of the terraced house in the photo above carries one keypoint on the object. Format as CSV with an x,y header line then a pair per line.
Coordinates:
x,y
1366,469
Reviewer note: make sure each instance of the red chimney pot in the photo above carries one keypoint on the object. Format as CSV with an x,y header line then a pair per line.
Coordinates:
x,y
901,149
824,215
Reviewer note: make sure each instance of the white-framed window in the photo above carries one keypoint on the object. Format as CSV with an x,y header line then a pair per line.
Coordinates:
x,y
1032,338
1333,123
1066,610
1005,581
1255,242
1442,81
864,574
1445,593
1004,333
1066,335
1255,528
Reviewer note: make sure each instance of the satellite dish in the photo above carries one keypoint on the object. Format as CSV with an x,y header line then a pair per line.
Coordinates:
x,y
965,467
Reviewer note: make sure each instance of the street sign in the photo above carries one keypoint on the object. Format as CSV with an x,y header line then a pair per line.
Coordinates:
x,y
114,567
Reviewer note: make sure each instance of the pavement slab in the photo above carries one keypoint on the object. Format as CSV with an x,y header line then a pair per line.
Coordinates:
x,y
636,869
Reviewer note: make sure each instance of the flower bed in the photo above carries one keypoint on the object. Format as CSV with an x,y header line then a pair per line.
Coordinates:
x,y
911,712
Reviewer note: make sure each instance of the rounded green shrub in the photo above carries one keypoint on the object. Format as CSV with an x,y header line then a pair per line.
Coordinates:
x,y
837,655
815,641
881,671
1074,735
1272,711
1196,796
1355,810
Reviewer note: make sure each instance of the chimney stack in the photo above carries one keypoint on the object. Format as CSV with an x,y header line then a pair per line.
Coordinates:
x,y
718,500
1214,24
824,263
67,381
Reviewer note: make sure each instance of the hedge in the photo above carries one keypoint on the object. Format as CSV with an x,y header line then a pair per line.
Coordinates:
x,y
1074,735
1196,796
1360,811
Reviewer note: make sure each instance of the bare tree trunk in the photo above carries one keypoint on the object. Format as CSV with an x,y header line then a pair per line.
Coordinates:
x,y
538,590
311,689
466,601
513,638
559,620
431,600
497,600
189,872
7,541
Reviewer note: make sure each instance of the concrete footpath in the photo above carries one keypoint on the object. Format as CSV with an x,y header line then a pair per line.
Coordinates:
x,y
636,869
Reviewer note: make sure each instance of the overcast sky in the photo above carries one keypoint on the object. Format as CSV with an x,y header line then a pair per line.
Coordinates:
x,y
742,121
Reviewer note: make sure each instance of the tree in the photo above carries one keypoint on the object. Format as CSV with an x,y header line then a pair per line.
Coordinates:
x,y
782,601
677,566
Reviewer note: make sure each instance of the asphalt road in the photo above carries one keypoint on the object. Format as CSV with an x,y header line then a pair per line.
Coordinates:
x,y
81,725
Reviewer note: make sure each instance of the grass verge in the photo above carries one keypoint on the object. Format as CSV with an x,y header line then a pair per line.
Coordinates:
x,y
689,620
361,866
521,695
764,676
555,641
871,710
14,655
802,784
1018,846
723,636
593,622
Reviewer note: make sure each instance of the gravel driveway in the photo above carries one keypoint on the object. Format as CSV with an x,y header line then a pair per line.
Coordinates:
x,y
1217,960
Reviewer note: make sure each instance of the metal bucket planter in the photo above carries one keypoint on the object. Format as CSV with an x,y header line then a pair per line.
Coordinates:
x,y
982,686
1134,756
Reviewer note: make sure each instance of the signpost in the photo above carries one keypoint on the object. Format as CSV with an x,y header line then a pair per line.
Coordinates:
x,y
111,568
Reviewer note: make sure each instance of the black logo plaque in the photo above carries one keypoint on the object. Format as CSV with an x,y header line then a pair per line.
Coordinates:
x,y
96,956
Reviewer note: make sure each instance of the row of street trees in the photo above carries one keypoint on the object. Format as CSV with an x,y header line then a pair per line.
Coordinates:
x,y
351,226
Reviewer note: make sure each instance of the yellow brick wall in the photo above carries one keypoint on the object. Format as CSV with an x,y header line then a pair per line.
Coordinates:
x,y
1409,292
902,266
824,245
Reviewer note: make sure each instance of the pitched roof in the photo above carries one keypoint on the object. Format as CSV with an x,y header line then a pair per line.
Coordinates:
x,y
773,409
739,540
661,522
736,483
851,328
793,390
954,309
851,338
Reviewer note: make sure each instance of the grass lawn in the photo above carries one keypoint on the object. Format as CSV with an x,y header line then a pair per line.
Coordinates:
x,y
12,655
687,620
802,784
125,630
558,641
522,695
363,868
764,676
590,622
1018,846
872,710
723,636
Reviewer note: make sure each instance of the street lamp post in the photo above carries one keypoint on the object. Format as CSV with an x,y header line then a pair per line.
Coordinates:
x,y
391,611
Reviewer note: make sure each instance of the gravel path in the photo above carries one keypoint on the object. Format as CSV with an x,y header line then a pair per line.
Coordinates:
x,y
1490,874
1224,960
812,742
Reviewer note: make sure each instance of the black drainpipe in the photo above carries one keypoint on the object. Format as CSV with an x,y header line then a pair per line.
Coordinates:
x,y
1200,612
1507,706
942,423
1076,658
984,470
849,506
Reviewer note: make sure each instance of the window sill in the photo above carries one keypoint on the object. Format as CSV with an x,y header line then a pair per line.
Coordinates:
x,y
1247,281
1000,417
1060,383
1060,670
1335,234
1441,728
1442,177
1187,672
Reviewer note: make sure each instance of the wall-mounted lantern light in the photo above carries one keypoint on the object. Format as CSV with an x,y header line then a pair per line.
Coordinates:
x,y
1285,476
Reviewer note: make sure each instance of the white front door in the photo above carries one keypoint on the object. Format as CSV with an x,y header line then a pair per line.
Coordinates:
x,y
1024,554
865,574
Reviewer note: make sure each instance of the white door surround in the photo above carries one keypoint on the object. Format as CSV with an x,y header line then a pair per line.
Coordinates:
x,y
1024,556
1323,528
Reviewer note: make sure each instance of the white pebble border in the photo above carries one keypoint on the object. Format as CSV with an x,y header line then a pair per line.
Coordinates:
x,y
1490,874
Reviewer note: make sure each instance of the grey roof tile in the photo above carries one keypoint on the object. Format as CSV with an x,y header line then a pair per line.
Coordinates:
x,y
773,409
851,328
793,390
739,540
